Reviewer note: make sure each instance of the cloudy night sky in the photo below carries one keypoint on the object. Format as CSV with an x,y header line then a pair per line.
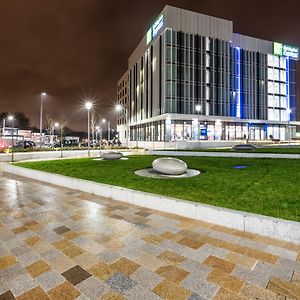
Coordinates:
x,y
74,49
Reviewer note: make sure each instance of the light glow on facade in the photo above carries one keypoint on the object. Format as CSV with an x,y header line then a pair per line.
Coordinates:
x,y
238,82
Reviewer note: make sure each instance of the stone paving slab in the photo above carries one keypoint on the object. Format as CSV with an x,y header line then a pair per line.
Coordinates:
x,y
62,244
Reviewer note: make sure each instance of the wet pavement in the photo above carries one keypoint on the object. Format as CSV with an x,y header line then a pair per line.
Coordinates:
x,y
62,244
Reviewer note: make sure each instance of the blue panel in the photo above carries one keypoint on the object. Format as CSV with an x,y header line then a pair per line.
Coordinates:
x,y
238,112
288,88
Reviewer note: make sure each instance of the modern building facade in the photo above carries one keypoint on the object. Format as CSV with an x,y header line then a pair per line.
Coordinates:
x,y
123,100
242,87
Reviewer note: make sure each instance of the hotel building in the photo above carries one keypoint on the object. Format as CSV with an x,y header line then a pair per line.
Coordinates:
x,y
191,78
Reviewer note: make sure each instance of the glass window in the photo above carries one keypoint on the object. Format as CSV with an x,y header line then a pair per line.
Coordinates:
x,y
276,74
207,76
168,36
283,75
270,60
207,93
283,63
276,101
276,61
270,114
271,73
276,88
283,102
283,88
271,101
284,115
271,87
207,44
207,60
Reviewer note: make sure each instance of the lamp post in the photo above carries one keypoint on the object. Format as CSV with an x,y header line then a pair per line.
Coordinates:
x,y
88,106
41,117
198,109
11,119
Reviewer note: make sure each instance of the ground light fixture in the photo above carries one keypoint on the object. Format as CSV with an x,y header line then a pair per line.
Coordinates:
x,y
89,105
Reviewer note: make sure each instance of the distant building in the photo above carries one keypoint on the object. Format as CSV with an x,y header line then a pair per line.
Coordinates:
x,y
123,100
243,87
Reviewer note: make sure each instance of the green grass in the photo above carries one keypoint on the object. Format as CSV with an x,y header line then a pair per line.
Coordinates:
x,y
268,186
282,150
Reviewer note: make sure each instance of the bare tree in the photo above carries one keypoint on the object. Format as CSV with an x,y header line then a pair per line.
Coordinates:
x,y
49,124
93,125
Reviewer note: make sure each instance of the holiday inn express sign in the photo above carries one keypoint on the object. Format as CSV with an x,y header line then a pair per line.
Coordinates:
x,y
155,28
285,50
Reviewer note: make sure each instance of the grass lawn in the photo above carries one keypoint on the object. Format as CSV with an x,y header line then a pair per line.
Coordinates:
x,y
279,150
268,186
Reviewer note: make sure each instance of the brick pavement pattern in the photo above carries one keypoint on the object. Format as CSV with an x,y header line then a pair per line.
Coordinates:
x,y
62,244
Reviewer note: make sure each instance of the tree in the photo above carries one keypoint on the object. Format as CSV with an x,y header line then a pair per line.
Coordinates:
x,y
49,124
21,121
93,125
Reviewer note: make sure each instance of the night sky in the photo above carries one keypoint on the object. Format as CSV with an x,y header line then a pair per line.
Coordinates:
x,y
74,49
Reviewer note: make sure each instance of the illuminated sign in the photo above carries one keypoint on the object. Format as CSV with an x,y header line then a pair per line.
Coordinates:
x,y
285,50
277,49
155,28
290,51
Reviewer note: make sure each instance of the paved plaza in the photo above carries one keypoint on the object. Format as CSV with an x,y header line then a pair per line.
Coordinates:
x,y
62,244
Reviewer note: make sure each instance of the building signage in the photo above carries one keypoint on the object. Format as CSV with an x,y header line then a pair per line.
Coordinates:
x,y
155,28
286,50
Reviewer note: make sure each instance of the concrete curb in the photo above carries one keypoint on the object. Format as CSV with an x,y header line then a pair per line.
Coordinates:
x,y
224,154
272,227
44,155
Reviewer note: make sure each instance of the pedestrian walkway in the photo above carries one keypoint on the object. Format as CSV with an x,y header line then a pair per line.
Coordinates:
x,y
62,244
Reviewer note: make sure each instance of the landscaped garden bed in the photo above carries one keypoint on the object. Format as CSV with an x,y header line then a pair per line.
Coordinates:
x,y
267,186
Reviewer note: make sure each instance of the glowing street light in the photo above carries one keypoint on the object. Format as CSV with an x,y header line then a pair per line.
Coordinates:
x,y
119,107
89,105
41,117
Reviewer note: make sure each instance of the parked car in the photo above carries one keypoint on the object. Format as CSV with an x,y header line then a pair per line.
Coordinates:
x,y
114,142
25,144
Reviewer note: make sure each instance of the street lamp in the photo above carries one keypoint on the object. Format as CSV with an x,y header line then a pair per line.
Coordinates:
x,y
89,106
11,119
41,117
198,109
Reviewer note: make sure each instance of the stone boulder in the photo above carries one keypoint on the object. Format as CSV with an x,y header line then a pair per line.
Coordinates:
x,y
169,166
111,155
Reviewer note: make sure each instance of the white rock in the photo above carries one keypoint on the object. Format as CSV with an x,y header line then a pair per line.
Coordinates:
x,y
170,166
111,155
